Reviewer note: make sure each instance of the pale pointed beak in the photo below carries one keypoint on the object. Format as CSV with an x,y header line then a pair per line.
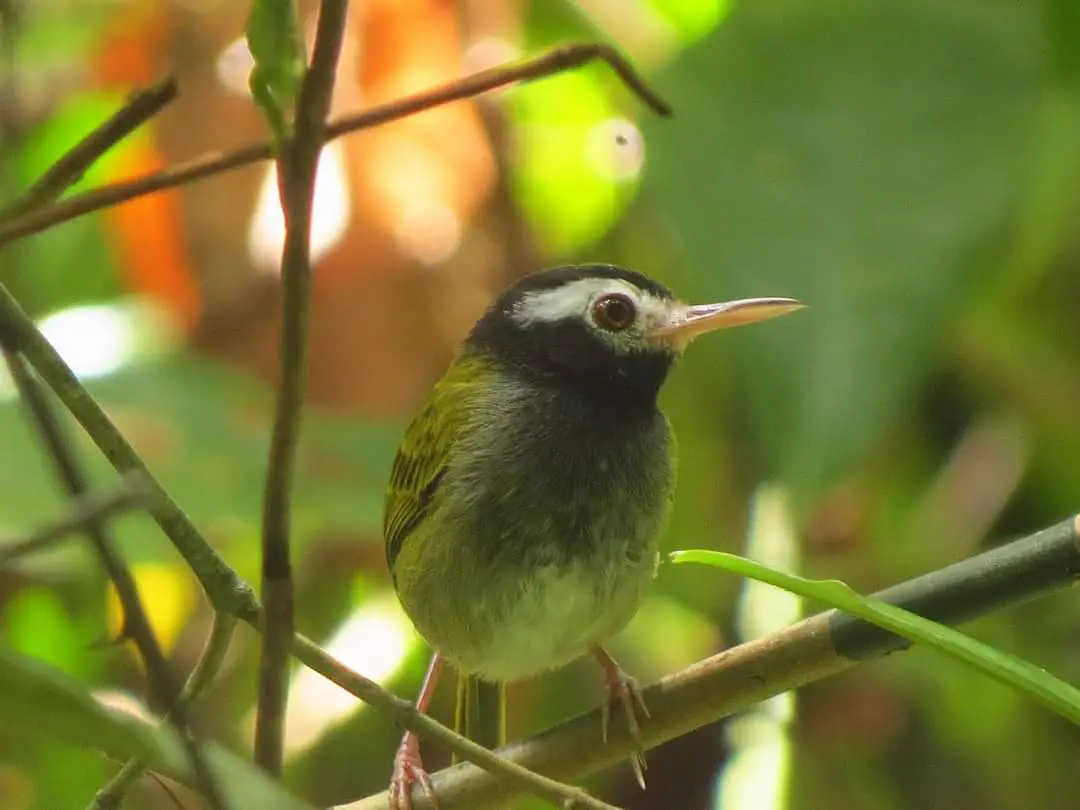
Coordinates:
x,y
685,323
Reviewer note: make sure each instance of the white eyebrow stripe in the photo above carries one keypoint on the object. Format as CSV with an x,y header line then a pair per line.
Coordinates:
x,y
568,301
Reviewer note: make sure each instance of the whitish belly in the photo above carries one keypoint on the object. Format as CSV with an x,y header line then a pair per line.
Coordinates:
x,y
553,618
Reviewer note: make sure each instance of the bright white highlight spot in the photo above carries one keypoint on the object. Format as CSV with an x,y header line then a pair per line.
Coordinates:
x,y
234,66
329,216
373,641
616,148
764,609
93,340
96,340
124,703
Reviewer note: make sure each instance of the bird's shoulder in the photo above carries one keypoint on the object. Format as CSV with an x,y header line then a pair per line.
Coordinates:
x,y
426,447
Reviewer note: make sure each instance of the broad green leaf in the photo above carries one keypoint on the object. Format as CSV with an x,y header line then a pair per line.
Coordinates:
x,y
851,154
37,699
1055,694
277,49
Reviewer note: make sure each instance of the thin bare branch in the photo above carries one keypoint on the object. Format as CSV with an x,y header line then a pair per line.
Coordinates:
x,y
296,183
69,169
723,684
84,512
567,57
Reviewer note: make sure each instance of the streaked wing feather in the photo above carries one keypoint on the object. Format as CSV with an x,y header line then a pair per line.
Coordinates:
x,y
424,454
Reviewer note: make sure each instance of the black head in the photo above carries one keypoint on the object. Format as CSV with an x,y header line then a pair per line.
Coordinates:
x,y
591,328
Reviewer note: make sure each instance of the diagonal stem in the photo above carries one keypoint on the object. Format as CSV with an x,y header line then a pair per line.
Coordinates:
x,y
741,677
140,108
227,592
87,512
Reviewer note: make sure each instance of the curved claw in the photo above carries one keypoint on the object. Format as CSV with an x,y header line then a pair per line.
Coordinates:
x,y
624,689
408,769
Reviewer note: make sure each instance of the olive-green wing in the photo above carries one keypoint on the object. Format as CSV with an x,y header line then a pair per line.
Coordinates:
x,y
425,452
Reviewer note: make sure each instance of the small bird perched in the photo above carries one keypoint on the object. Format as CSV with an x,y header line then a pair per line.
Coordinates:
x,y
527,498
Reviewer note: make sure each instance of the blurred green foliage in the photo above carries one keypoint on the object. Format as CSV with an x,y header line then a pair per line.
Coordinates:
x,y
204,433
803,176
909,168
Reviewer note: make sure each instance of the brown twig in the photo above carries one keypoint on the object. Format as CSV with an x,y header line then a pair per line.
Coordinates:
x,y
558,60
69,169
85,514
296,183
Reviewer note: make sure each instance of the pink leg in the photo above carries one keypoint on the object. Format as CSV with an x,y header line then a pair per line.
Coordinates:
x,y
624,689
408,766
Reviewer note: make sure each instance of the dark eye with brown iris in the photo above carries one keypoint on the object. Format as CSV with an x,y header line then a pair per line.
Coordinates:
x,y
614,312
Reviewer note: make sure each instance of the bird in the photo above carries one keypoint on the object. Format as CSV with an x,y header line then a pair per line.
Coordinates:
x,y
528,495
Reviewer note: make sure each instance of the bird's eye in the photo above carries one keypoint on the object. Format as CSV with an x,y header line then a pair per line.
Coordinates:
x,y
614,312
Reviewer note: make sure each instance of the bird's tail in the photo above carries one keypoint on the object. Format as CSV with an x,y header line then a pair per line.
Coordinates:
x,y
480,711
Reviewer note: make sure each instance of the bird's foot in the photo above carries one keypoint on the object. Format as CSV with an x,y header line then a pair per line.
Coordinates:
x,y
624,689
409,768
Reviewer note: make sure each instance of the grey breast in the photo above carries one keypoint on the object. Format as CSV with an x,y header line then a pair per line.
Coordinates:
x,y
549,480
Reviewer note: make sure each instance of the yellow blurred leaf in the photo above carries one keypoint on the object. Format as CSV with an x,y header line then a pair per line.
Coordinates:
x,y
168,596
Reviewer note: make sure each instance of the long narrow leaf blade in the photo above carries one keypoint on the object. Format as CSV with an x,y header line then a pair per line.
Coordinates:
x,y
1037,683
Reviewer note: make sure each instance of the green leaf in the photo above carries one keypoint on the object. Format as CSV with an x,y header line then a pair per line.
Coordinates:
x,y
277,49
852,155
1038,684
36,699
